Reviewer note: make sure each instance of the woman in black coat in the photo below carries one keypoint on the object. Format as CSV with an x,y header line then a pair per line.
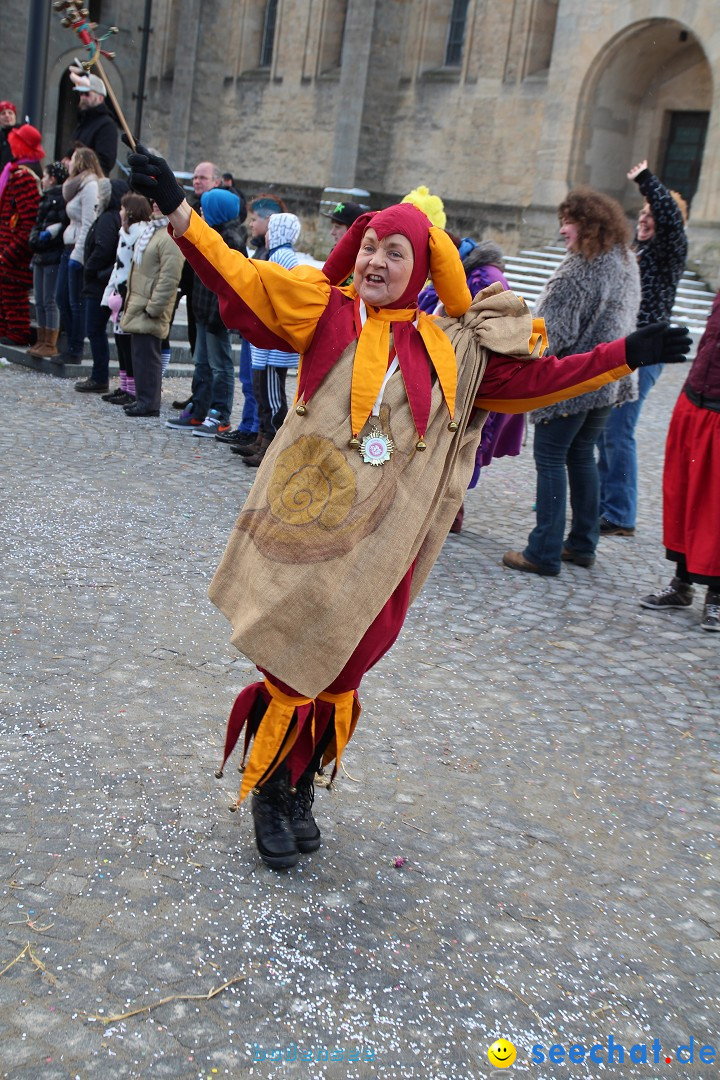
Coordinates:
x,y
100,252
46,244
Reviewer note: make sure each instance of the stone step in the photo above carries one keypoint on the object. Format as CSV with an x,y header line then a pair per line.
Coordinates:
x,y
176,368
528,271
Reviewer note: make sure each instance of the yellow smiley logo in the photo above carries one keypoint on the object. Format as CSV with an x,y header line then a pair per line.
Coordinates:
x,y
502,1053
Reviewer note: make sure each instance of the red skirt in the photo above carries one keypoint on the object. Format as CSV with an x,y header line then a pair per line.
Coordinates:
x,y
691,487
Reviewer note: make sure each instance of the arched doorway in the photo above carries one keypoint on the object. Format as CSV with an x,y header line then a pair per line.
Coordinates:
x,y
647,95
67,116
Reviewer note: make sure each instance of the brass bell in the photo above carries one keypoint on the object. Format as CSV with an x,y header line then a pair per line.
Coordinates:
x,y
233,808
219,774
421,445
300,409
354,443
453,425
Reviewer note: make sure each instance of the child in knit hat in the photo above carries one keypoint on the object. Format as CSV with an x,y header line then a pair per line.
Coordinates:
x,y
270,366
208,413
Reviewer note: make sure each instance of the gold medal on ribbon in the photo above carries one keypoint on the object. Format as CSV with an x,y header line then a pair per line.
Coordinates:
x,y
376,448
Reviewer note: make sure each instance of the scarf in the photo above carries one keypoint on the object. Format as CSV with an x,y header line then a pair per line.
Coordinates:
x,y
146,236
123,257
73,184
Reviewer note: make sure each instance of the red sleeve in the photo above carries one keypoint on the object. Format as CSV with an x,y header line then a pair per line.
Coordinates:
x,y
513,385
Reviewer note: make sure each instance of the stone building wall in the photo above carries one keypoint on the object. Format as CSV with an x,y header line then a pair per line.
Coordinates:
x,y
545,94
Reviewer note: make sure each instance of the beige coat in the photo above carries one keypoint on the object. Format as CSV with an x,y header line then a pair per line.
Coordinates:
x,y
152,288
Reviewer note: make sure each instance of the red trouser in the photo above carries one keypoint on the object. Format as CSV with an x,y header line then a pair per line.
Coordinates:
x,y
14,305
298,729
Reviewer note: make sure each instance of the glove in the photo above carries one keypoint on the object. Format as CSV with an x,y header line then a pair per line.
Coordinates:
x,y
152,176
657,343
44,235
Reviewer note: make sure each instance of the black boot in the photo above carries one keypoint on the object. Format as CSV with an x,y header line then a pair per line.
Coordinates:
x,y
302,822
271,814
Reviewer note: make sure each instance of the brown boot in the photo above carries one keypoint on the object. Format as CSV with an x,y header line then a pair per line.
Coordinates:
x,y
36,349
49,348
253,461
248,449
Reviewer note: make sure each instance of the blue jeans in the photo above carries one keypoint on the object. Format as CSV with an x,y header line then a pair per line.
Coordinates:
x,y
249,422
69,285
214,380
618,455
96,320
45,288
566,443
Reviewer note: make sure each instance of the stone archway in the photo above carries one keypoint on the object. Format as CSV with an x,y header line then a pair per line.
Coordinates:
x,y
645,76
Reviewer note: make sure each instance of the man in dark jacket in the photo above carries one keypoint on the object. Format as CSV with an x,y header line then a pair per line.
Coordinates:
x,y
661,248
208,413
96,127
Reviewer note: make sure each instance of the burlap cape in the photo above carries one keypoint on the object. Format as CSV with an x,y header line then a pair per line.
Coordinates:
x,y
324,539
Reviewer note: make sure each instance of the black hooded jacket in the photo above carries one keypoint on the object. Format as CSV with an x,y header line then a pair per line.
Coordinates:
x,y
51,211
97,130
101,242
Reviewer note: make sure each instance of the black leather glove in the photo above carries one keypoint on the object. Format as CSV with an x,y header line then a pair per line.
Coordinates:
x,y
152,176
657,343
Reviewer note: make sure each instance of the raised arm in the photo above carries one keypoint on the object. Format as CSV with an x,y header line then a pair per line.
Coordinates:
x,y
272,306
669,224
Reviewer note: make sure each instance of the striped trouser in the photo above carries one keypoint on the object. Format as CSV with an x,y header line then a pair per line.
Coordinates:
x,y
14,305
269,387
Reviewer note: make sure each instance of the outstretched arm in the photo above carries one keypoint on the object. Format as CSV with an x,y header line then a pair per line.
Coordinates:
x,y
512,385
180,218
273,307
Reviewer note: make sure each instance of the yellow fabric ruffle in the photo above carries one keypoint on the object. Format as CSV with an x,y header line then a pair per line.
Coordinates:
x,y
442,356
347,714
371,361
273,741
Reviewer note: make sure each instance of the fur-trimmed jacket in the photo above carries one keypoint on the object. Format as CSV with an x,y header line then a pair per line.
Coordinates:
x,y
584,303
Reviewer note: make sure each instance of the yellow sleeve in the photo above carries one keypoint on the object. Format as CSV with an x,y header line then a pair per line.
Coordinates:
x,y
288,303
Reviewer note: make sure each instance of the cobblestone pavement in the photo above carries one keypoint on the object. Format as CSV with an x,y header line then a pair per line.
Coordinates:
x,y
542,753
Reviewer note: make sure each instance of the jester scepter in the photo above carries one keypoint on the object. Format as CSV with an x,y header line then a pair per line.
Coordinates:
x,y
76,17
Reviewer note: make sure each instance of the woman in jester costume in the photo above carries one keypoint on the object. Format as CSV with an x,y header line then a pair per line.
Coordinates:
x,y
355,496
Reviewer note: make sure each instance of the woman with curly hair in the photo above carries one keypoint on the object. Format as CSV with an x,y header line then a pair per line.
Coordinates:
x,y
592,297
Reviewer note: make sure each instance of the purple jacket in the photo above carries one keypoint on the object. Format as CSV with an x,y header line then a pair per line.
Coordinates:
x,y
702,385
477,279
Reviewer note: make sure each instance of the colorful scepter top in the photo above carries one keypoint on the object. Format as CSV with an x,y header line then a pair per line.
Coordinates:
x,y
77,18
